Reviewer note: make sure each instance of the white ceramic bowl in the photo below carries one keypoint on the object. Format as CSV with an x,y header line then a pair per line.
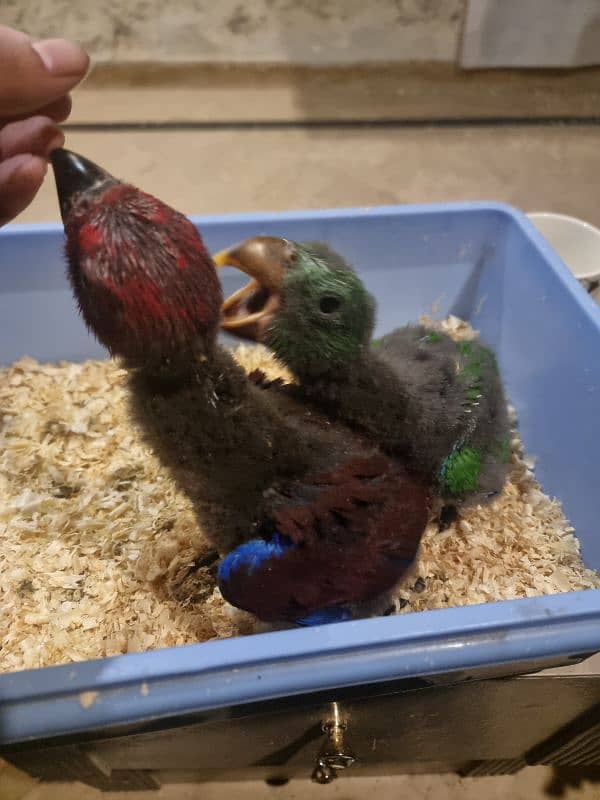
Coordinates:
x,y
576,242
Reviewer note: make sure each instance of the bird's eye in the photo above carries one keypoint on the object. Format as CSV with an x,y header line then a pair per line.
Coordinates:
x,y
329,304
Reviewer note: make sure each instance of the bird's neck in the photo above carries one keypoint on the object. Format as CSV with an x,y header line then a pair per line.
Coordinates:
x,y
226,440
204,372
214,386
365,394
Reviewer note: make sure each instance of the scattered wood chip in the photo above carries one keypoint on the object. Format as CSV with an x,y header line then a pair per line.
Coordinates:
x,y
87,699
95,538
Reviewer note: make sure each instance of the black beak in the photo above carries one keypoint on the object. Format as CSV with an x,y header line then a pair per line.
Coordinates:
x,y
74,174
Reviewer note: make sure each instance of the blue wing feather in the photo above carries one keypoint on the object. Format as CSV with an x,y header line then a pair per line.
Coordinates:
x,y
252,554
326,615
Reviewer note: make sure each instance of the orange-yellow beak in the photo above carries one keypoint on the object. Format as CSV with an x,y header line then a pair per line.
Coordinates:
x,y
248,312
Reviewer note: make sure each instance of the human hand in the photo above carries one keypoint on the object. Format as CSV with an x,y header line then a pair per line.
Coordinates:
x,y
35,79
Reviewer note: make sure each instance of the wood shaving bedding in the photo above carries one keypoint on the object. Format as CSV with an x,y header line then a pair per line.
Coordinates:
x,y
95,539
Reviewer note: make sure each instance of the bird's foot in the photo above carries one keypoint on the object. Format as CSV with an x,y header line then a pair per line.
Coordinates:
x,y
192,582
448,515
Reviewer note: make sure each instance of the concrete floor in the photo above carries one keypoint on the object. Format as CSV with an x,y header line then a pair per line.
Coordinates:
x,y
531,784
214,171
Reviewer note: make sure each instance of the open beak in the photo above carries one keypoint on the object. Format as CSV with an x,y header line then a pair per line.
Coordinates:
x,y
248,312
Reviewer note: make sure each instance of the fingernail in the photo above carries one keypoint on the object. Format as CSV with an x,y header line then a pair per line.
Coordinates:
x,y
55,143
61,57
89,68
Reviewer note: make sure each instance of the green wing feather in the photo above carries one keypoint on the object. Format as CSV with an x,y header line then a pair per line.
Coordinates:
x,y
460,471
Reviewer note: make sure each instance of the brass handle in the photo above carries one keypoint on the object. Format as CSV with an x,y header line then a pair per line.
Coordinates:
x,y
335,754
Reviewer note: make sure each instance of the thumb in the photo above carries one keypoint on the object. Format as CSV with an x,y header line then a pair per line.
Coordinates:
x,y
46,70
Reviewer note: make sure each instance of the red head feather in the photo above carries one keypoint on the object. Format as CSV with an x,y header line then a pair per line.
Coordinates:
x,y
143,279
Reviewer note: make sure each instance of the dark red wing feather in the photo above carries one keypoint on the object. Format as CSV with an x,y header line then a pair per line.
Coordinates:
x,y
371,501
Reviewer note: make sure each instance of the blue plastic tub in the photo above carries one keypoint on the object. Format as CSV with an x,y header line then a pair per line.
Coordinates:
x,y
481,261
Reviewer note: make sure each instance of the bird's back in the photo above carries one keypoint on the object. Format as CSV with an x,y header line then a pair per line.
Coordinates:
x,y
455,409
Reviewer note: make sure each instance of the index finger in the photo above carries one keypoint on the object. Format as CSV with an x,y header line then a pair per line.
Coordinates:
x,y
58,110
35,74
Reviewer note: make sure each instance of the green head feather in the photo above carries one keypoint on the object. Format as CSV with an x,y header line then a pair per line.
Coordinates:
x,y
326,316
